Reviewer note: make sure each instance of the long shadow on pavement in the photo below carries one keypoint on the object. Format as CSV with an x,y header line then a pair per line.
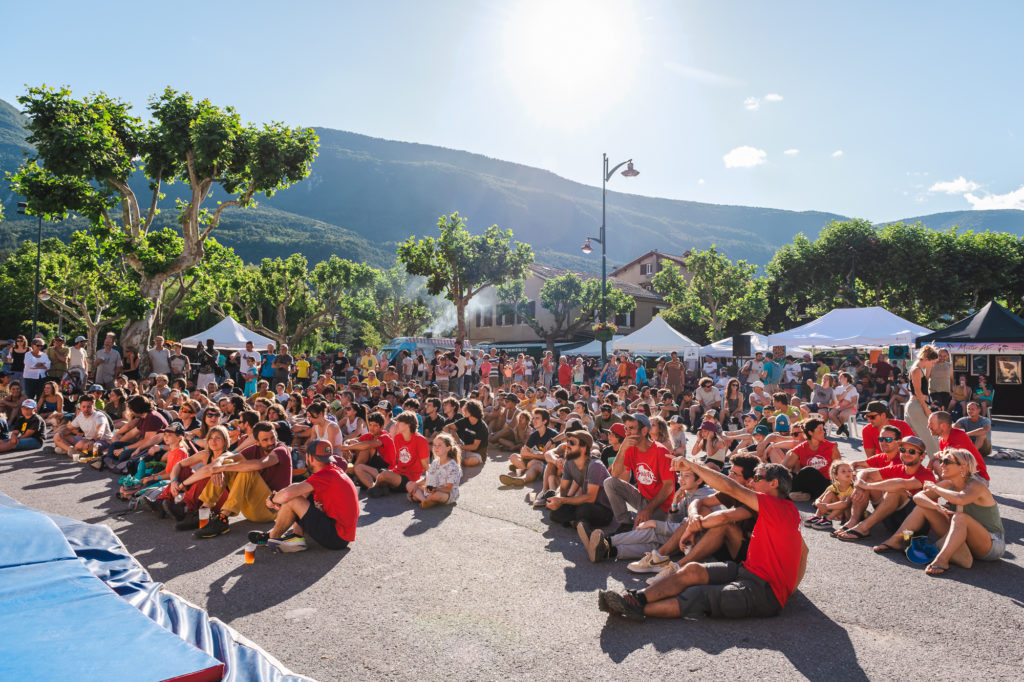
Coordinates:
x,y
786,634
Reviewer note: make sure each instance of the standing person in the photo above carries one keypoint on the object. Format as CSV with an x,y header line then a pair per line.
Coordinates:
x,y
78,356
672,375
759,586
108,363
917,410
324,507
59,354
159,357
207,360
178,365
15,357
282,365
940,380
36,365
130,364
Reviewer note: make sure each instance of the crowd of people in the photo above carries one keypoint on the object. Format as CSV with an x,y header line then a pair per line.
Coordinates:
x,y
690,474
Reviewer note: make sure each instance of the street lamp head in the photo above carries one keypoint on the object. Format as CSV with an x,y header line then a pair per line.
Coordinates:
x,y
630,172
22,207
44,295
587,248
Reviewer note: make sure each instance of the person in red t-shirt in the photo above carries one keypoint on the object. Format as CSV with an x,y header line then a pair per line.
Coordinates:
x,y
412,456
878,415
380,446
329,517
889,489
760,586
941,426
649,463
564,372
810,461
888,438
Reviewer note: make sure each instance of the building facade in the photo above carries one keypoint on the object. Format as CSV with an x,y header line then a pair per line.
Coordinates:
x,y
641,270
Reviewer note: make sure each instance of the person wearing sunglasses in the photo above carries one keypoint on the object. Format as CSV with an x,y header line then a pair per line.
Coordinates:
x,y
759,586
889,489
959,508
878,415
888,449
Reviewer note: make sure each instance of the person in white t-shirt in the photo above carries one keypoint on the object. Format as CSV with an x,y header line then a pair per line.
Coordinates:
x,y
846,396
710,367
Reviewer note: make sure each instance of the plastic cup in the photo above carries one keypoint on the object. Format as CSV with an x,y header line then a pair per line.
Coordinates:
x,y
204,516
907,535
76,456
250,553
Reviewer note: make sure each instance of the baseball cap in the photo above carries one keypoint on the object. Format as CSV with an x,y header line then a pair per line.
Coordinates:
x,y
154,375
782,423
753,415
29,403
762,429
640,418
676,420
708,425
807,356
757,384
384,405
320,449
909,440
921,551
878,406
176,428
618,429
96,387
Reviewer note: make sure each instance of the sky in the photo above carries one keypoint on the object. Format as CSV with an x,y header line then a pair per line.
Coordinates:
x,y
875,110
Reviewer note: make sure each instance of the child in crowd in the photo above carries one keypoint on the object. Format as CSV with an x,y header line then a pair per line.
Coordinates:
x,y
249,373
834,504
440,482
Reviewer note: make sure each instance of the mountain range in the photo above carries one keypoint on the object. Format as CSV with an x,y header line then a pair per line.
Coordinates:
x,y
365,195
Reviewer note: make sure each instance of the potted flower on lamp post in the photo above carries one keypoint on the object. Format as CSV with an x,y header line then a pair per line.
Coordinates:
x,y
604,331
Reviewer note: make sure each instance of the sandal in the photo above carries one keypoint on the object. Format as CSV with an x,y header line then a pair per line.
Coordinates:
x,y
851,535
837,531
885,548
936,571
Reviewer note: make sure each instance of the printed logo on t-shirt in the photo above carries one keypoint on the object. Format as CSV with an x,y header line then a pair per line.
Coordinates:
x,y
817,462
644,475
404,456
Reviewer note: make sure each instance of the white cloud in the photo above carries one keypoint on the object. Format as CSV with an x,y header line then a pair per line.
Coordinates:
x,y
700,181
745,157
704,76
791,152
992,202
773,97
751,104
959,186
837,153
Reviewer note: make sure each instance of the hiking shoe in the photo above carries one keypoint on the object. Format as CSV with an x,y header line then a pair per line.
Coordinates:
x,y
584,530
155,507
626,605
175,509
259,537
598,548
648,564
295,543
800,497
542,499
218,525
97,464
189,522
602,601
513,481
809,523
670,569
377,491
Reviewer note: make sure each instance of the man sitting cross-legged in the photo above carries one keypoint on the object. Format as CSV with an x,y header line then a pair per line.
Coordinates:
x,y
648,462
372,452
323,507
589,506
89,430
760,586
530,460
411,459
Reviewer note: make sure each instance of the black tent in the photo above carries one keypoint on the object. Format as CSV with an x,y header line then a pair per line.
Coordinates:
x,y
992,331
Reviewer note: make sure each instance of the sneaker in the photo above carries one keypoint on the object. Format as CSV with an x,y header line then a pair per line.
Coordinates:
x,y
542,499
295,543
670,569
259,537
218,525
809,523
843,431
189,522
626,605
513,481
800,497
598,548
97,464
822,524
648,564
175,509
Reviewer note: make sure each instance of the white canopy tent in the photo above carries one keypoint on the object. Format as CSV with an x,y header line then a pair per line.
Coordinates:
x,y
656,337
852,328
229,335
758,344
589,350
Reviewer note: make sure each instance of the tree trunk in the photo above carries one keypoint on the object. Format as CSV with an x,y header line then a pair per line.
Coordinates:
x,y
138,332
460,317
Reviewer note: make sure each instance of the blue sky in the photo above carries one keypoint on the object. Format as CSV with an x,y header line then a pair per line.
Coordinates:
x,y
877,110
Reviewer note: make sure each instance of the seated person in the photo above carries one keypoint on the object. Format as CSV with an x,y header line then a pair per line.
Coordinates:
x,y
978,428
834,504
585,474
940,425
411,459
889,489
472,433
959,397
89,430
323,507
760,586
440,482
183,490
809,462
248,477
706,397
26,430
878,416
888,444
528,464
961,510
983,395
373,452
709,447
138,434
647,462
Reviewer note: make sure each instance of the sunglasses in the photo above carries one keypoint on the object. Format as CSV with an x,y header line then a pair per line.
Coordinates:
x,y
185,410
911,451
213,414
574,443
885,439
871,415
948,461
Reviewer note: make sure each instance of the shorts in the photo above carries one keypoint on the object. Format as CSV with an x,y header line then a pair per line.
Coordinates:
x,y
378,462
998,548
732,592
893,522
400,488
28,444
322,528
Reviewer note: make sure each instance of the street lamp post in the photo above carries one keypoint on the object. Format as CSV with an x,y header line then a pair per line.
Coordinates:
x,y
606,175
22,206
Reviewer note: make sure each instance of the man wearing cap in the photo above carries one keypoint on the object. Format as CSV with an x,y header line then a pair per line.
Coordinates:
x,y
27,429
78,356
878,415
58,354
759,398
88,429
940,424
648,462
889,489
324,507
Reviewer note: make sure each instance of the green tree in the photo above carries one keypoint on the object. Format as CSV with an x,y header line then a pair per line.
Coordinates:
x,y
88,149
460,265
190,293
571,301
402,305
719,297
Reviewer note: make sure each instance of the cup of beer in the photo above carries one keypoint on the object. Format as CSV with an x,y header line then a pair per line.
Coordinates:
x,y
250,553
204,516
907,535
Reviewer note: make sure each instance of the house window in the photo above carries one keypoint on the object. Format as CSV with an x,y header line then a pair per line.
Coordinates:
x,y
488,315
646,268
624,320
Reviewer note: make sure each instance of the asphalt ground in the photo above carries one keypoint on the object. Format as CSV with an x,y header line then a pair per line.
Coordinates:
x,y
488,590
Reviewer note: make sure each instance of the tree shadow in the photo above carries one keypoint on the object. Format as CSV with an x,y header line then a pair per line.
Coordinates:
x,y
619,638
